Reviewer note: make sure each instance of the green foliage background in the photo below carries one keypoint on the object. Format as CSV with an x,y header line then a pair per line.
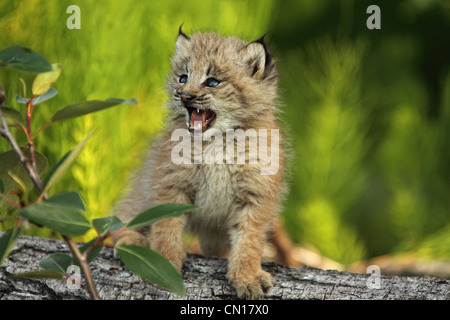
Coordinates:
x,y
368,110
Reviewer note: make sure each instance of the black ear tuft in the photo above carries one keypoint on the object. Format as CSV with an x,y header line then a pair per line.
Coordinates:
x,y
183,41
258,60
261,40
181,33
266,51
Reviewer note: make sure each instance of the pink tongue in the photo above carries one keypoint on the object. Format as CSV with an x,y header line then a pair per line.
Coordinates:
x,y
197,117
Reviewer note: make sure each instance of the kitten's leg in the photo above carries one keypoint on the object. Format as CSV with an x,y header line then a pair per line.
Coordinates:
x,y
244,263
167,234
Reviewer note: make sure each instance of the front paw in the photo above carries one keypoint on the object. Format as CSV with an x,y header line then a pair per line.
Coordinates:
x,y
251,286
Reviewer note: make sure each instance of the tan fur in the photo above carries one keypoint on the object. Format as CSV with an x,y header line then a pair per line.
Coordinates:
x,y
239,206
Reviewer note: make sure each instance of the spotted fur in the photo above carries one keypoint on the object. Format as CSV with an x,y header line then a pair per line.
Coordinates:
x,y
239,206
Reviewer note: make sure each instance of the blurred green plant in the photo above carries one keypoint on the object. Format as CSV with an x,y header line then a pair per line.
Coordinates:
x,y
391,194
371,173
329,147
64,213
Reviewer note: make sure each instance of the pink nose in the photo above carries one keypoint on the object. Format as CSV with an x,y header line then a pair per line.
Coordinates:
x,y
185,97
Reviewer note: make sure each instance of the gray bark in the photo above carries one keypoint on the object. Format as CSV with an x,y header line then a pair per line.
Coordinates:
x,y
204,278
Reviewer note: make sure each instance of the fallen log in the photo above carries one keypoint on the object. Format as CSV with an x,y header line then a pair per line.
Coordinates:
x,y
205,279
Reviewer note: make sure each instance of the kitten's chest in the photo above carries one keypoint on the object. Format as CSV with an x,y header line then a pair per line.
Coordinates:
x,y
215,189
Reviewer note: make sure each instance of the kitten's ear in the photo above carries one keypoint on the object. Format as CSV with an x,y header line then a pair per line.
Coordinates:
x,y
182,41
256,57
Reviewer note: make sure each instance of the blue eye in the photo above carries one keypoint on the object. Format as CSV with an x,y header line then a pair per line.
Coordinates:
x,y
211,82
183,79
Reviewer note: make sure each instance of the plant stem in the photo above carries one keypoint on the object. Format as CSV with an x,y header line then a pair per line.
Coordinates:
x,y
84,267
30,108
42,128
32,172
34,175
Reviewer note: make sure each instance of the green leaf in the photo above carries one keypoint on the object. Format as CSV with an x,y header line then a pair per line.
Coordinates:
x,y
92,254
62,213
69,198
9,162
7,241
2,186
117,226
43,81
160,212
20,183
152,267
54,168
44,97
85,107
60,168
103,225
58,262
24,59
13,117
38,274
21,100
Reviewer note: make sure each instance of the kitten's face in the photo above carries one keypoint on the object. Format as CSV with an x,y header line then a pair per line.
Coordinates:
x,y
221,83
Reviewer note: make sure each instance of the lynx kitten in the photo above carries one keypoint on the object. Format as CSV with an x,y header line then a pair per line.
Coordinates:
x,y
216,83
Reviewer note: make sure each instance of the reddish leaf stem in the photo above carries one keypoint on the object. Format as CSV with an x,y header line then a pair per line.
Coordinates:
x,y
10,201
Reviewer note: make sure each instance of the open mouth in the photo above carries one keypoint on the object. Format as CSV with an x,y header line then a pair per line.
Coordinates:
x,y
199,120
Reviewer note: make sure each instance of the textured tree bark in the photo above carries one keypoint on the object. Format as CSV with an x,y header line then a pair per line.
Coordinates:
x,y
204,278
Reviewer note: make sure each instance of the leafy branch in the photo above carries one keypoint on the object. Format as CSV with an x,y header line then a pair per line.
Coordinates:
x,y
64,213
